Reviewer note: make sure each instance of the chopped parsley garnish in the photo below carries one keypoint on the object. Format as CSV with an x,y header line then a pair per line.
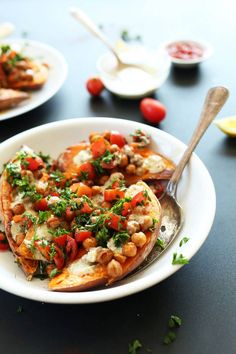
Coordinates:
x,y
102,236
108,157
179,259
19,309
59,231
4,48
54,272
134,346
174,321
57,176
154,222
120,238
97,167
59,208
41,271
160,243
128,38
118,206
52,252
83,176
30,217
169,338
45,158
13,170
183,241
43,216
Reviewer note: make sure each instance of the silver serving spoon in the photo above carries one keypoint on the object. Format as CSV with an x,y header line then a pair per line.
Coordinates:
x,y
92,28
172,212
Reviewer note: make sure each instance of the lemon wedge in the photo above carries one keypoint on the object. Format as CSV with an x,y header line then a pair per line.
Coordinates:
x,y
227,125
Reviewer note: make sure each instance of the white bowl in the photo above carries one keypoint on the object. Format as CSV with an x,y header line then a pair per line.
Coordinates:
x,y
190,63
125,86
199,212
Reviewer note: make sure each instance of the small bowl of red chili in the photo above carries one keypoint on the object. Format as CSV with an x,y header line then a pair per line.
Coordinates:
x,y
188,53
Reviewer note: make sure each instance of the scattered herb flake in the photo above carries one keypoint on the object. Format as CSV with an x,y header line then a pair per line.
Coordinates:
x,y
169,338
134,346
179,259
183,241
43,216
54,272
160,243
174,321
19,309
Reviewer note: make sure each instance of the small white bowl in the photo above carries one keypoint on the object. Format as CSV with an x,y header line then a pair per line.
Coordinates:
x,y
125,84
190,63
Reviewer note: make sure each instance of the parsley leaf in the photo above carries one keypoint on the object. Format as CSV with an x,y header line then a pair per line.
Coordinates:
x,y
118,206
102,236
134,346
43,216
160,243
120,238
169,338
179,259
183,241
19,309
54,272
174,321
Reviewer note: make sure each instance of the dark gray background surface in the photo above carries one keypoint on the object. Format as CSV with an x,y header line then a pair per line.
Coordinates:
x,y
203,293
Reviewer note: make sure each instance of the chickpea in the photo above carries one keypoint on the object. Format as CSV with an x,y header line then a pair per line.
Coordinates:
x,y
89,243
120,258
114,148
103,180
124,161
93,136
137,159
129,249
131,169
132,227
106,134
146,222
18,209
38,174
53,222
141,170
20,238
96,190
139,239
114,269
104,256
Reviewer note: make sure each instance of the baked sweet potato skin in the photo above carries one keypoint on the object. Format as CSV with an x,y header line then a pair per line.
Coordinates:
x,y
29,266
69,282
10,98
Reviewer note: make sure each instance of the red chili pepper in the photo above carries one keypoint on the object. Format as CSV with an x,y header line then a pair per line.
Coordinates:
x,y
113,194
81,235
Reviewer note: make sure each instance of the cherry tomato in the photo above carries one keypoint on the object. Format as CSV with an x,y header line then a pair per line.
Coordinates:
x,y
94,86
117,138
113,194
32,163
61,240
71,248
87,169
126,209
81,235
86,208
41,205
138,199
99,147
152,110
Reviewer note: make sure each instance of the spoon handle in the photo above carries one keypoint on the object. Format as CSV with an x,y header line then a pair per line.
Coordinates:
x,y
90,25
214,101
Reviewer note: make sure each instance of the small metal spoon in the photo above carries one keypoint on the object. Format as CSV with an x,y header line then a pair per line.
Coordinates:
x,y
91,26
172,212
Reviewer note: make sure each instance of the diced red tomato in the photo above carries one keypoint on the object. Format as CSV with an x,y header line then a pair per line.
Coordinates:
x,y
61,240
114,222
99,147
117,138
116,184
71,248
32,163
41,205
69,214
54,194
113,194
86,208
59,257
88,169
27,222
108,166
81,235
81,189
138,199
126,208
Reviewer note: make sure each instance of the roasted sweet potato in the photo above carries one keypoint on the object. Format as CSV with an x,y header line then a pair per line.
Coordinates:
x,y
83,274
10,98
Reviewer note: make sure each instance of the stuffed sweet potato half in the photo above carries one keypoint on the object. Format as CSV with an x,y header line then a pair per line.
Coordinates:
x,y
79,220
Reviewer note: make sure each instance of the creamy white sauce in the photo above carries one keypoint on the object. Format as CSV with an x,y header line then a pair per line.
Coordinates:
x,y
82,156
42,232
133,190
37,255
15,229
42,185
18,199
111,245
53,199
86,264
154,164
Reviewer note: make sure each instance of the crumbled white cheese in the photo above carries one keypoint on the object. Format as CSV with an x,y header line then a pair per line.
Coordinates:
x,y
154,163
82,156
128,150
133,190
111,245
91,256
86,264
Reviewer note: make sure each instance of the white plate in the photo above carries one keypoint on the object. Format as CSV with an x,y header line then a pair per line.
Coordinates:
x,y
199,212
127,85
56,77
